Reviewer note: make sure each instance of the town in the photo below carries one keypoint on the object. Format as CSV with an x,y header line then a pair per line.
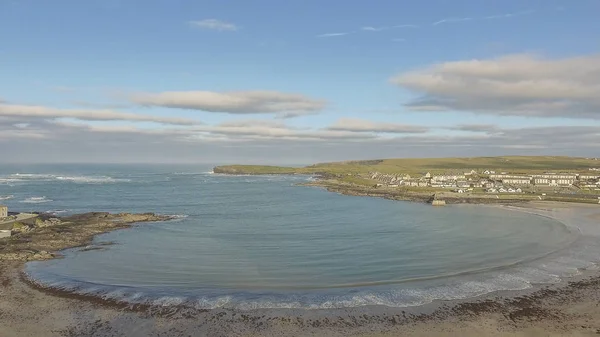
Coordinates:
x,y
490,181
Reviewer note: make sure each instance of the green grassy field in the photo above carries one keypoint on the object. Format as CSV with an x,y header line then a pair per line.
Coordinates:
x,y
416,166
255,169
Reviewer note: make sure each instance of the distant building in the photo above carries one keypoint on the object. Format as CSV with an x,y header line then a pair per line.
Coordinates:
x,y
463,184
516,180
3,211
553,179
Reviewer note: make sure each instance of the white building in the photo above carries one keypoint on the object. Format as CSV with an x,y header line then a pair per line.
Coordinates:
x,y
447,177
513,180
554,179
3,211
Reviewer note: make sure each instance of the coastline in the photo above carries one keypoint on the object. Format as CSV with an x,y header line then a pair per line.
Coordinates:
x,y
425,196
545,308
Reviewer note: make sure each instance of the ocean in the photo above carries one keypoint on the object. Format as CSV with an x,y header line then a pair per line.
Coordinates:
x,y
250,242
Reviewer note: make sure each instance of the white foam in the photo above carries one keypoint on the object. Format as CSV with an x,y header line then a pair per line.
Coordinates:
x,y
91,179
57,211
6,197
36,200
24,177
168,301
178,216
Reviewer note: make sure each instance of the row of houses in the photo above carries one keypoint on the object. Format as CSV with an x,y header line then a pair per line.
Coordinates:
x,y
546,179
463,180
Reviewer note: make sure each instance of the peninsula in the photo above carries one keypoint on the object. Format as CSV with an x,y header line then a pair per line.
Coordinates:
x,y
454,180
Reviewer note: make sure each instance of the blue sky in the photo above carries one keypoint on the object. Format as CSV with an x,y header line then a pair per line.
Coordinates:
x,y
379,70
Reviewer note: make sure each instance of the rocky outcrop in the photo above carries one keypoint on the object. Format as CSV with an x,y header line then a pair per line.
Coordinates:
x,y
42,240
47,223
27,255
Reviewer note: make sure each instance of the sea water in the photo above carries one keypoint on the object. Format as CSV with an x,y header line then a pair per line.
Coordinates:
x,y
264,242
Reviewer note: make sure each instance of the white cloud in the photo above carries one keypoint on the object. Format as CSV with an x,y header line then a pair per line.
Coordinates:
x,y
450,20
521,85
275,130
373,29
489,17
214,24
235,102
485,128
333,34
273,142
361,125
32,111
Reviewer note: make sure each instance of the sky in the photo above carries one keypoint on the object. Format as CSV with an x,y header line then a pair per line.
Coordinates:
x,y
298,81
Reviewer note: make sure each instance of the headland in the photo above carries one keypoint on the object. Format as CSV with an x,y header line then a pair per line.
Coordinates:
x,y
478,180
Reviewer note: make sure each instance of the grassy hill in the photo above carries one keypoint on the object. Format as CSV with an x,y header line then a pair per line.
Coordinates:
x,y
513,164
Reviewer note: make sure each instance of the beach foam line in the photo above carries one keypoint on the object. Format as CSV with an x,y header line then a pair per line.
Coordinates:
x,y
411,295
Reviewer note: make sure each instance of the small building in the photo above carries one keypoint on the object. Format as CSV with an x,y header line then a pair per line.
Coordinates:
x,y
463,184
554,179
516,180
3,211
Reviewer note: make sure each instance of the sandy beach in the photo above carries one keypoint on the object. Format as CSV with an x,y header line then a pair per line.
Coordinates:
x,y
570,308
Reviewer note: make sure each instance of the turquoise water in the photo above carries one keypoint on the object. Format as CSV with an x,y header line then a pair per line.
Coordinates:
x,y
261,241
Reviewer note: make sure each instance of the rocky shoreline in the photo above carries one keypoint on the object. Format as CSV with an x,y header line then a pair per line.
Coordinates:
x,y
49,235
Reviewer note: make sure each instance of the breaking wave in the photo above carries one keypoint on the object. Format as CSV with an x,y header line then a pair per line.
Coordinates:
x,y
57,211
27,177
36,200
6,197
91,180
400,296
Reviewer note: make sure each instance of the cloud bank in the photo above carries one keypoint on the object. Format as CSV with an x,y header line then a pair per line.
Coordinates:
x,y
361,125
237,102
517,85
33,111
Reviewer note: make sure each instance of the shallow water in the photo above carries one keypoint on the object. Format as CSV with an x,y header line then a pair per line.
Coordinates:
x,y
254,242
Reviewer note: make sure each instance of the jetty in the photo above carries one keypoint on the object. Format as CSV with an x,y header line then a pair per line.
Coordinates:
x,y
437,202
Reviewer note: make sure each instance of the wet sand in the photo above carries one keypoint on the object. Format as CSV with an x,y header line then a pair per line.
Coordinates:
x,y
571,308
